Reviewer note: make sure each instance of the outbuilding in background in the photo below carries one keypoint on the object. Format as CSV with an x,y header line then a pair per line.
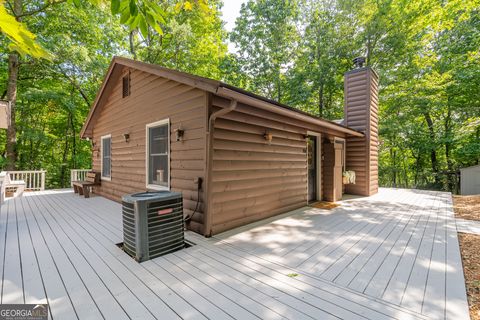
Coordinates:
x,y
470,180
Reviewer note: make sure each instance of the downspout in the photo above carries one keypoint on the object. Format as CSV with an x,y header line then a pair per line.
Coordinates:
x,y
211,121
219,113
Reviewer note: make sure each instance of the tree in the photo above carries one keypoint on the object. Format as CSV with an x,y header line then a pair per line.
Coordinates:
x,y
266,36
426,53
192,41
54,95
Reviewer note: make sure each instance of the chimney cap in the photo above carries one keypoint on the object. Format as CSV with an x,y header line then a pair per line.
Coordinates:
x,y
359,61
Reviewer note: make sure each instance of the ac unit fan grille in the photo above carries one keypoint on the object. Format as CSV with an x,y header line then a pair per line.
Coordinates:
x,y
128,228
165,230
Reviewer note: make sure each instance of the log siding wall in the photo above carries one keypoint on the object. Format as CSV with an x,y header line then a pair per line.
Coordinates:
x,y
251,178
152,99
361,113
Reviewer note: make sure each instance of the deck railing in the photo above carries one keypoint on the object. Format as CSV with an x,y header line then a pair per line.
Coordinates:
x,y
34,180
78,175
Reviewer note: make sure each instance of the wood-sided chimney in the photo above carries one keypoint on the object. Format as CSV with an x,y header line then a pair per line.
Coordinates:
x,y
361,113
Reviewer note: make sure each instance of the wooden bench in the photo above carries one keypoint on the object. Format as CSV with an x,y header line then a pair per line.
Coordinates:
x,y
83,187
15,187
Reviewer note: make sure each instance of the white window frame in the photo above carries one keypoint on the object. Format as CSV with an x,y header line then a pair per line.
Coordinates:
x,y
147,156
108,136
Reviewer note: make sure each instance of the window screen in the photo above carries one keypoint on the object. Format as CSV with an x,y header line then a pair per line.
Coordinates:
x,y
158,149
106,156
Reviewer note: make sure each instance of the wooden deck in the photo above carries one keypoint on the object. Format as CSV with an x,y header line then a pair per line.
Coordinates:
x,y
398,246
60,249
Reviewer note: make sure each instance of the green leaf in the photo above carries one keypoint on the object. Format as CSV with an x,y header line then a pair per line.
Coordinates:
x,y
124,16
133,8
150,19
157,28
115,7
143,26
23,41
157,9
135,21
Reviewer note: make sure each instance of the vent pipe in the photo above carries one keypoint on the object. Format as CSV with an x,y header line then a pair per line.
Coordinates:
x,y
359,62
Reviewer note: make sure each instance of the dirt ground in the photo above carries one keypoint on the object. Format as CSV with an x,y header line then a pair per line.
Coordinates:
x,y
468,207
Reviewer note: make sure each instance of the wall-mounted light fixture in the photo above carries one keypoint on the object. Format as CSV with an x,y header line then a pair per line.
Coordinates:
x,y
179,134
268,137
126,137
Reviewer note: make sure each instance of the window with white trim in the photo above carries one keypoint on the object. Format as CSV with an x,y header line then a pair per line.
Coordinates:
x,y
106,157
158,155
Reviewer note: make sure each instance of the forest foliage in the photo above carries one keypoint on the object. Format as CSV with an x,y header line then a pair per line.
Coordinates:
x,y
426,52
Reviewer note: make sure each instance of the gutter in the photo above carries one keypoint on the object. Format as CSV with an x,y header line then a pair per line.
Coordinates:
x,y
207,232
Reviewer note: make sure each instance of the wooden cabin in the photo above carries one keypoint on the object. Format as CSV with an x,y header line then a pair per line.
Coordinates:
x,y
236,157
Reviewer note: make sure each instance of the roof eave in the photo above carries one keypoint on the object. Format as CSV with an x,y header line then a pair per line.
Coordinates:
x,y
212,86
227,92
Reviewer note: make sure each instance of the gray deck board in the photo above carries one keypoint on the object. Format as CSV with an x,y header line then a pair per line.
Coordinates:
x,y
58,297
12,278
399,246
60,248
341,298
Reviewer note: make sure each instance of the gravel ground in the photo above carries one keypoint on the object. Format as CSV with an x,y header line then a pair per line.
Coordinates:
x,y
468,207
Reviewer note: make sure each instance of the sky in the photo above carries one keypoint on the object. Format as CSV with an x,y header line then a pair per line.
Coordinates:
x,y
230,11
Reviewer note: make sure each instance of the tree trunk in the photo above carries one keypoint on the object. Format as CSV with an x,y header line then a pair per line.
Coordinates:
x,y
448,148
64,158
74,140
394,171
433,151
320,101
417,166
131,38
279,87
405,170
13,70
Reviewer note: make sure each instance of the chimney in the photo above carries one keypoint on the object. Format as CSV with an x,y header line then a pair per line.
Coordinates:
x,y
361,113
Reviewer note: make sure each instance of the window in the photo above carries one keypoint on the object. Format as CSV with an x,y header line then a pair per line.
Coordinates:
x,y
106,157
158,150
126,85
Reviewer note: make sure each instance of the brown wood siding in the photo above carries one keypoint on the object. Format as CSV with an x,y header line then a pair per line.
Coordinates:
x,y
361,113
152,99
373,133
252,179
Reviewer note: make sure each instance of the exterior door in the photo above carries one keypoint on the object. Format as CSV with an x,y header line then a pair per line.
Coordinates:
x,y
312,168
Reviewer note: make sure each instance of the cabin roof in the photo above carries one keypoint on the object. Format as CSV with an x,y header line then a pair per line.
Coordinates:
x,y
214,86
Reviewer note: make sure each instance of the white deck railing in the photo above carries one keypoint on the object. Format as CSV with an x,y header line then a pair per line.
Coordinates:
x,y
34,180
78,175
